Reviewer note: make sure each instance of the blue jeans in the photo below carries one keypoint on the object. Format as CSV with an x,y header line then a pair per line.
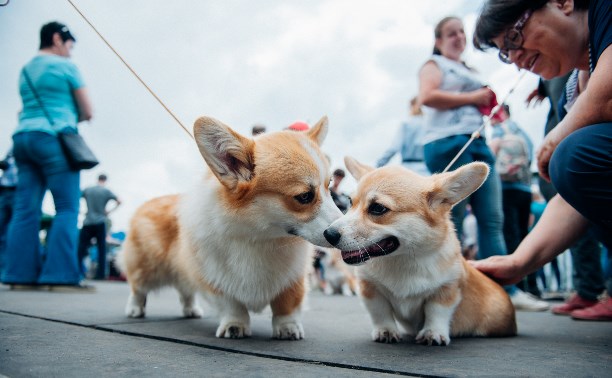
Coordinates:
x,y
42,165
7,198
581,171
486,202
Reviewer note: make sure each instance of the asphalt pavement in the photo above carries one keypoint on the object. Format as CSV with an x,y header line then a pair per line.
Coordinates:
x,y
49,334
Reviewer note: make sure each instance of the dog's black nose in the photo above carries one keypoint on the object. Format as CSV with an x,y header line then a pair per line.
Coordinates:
x,y
332,235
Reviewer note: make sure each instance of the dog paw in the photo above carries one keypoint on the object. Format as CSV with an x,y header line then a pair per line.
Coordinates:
x,y
134,312
288,331
386,335
233,331
193,312
433,337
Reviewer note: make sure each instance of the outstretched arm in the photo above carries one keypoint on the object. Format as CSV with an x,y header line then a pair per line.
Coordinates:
x,y
395,148
558,228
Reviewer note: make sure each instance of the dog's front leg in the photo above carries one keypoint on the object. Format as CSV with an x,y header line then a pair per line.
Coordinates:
x,y
287,313
439,311
384,326
235,319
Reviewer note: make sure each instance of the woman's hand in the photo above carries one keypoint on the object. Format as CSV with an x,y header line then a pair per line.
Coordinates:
x,y
482,96
544,154
505,270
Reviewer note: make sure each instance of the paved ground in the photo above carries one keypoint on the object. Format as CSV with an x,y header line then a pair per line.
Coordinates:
x,y
86,335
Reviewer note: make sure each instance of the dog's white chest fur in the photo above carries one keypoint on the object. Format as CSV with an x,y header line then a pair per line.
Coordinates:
x,y
406,282
236,259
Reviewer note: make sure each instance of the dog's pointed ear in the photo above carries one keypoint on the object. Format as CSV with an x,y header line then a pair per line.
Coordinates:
x,y
319,131
229,155
452,187
356,168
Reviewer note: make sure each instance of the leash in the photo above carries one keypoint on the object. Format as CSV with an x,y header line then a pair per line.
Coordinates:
x,y
487,121
130,68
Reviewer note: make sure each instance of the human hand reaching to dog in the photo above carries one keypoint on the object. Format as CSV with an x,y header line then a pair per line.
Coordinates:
x,y
504,270
558,228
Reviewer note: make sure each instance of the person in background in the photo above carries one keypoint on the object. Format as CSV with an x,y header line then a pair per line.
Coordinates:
x,y
551,38
469,241
49,83
340,199
538,204
94,225
513,152
8,184
451,94
407,142
258,129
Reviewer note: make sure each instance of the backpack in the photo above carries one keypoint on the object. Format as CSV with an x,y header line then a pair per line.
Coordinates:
x,y
512,161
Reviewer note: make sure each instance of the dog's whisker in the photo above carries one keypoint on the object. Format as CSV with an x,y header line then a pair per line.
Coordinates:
x,y
373,242
364,249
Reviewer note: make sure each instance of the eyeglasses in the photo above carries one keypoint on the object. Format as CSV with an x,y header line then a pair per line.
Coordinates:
x,y
513,40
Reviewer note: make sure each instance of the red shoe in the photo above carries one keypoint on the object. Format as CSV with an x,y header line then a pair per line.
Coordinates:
x,y
575,302
602,311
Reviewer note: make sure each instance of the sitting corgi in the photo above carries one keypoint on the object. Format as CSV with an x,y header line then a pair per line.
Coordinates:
x,y
242,237
399,227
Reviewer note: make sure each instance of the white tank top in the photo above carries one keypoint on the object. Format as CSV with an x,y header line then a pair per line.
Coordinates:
x,y
462,120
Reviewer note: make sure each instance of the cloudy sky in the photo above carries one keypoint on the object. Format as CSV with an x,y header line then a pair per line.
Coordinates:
x,y
242,62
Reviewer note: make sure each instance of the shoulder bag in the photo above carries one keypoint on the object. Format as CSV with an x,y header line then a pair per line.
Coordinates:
x,y
78,154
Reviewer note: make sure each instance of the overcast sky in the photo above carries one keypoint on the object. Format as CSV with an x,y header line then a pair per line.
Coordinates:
x,y
242,62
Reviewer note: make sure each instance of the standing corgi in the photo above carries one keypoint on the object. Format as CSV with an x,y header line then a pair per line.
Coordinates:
x,y
241,238
399,227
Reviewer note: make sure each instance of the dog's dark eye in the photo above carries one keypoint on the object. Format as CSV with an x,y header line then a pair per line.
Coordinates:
x,y
305,197
377,209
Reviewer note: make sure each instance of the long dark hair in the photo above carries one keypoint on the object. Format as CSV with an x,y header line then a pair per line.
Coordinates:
x,y
497,16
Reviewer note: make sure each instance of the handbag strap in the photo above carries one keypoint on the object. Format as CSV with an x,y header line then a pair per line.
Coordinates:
x,y
27,77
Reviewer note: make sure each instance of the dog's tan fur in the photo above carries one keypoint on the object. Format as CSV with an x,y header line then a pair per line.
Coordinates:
x,y
242,237
425,284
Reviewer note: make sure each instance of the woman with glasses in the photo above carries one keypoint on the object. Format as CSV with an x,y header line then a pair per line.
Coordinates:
x,y
550,38
452,94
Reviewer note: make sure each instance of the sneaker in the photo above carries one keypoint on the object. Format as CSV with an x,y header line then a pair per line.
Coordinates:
x,y
575,302
527,302
602,311
81,287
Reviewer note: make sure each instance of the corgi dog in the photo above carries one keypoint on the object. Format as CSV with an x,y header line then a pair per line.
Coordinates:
x,y
411,269
332,275
241,238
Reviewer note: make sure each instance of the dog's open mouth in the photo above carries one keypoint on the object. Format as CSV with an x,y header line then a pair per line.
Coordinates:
x,y
360,256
